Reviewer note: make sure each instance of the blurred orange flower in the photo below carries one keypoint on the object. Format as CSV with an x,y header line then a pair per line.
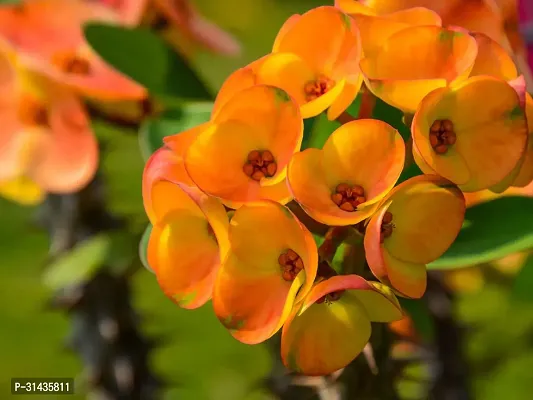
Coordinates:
x,y
184,20
48,34
46,137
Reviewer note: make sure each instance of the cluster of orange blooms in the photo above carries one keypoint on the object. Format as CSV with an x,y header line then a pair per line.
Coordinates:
x,y
47,69
466,105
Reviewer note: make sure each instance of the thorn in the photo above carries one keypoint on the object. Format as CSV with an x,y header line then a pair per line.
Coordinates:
x,y
368,352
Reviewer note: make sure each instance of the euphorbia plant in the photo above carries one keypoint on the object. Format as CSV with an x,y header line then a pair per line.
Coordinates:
x,y
263,269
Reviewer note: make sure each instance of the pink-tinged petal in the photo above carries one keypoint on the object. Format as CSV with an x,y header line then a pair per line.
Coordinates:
x,y
187,257
251,297
525,175
408,279
164,164
492,59
67,158
327,335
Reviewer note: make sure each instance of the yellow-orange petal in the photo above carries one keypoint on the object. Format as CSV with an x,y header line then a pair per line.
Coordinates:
x,y
408,279
375,30
251,298
185,257
492,59
441,7
368,153
326,335
241,79
403,78
427,215
525,175
258,118
21,190
317,37
287,25
163,164
490,128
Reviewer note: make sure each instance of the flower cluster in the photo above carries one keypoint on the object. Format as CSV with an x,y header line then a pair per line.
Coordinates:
x,y
223,197
47,69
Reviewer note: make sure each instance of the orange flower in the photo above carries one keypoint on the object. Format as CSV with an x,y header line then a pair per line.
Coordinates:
x,y
241,155
343,183
189,234
473,134
315,59
376,29
46,137
52,42
271,266
403,78
416,223
333,325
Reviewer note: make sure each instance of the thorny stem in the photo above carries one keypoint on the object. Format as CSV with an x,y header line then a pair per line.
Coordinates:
x,y
451,381
332,240
105,330
368,102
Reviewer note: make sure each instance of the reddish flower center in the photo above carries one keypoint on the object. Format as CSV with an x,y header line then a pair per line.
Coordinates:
x,y
442,135
260,164
32,112
347,197
386,226
318,87
72,63
330,297
291,264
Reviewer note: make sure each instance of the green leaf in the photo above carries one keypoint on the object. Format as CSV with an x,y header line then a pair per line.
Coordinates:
x,y
171,122
317,130
419,313
392,116
143,248
9,2
523,282
79,264
147,59
491,231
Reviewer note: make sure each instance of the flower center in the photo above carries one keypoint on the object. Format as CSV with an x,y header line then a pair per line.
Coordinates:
x,y
318,87
72,63
386,226
330,297
347,197
260,164
291,264
442,135
32,112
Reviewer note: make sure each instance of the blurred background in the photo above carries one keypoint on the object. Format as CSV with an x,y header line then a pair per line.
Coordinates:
x,y
193,356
